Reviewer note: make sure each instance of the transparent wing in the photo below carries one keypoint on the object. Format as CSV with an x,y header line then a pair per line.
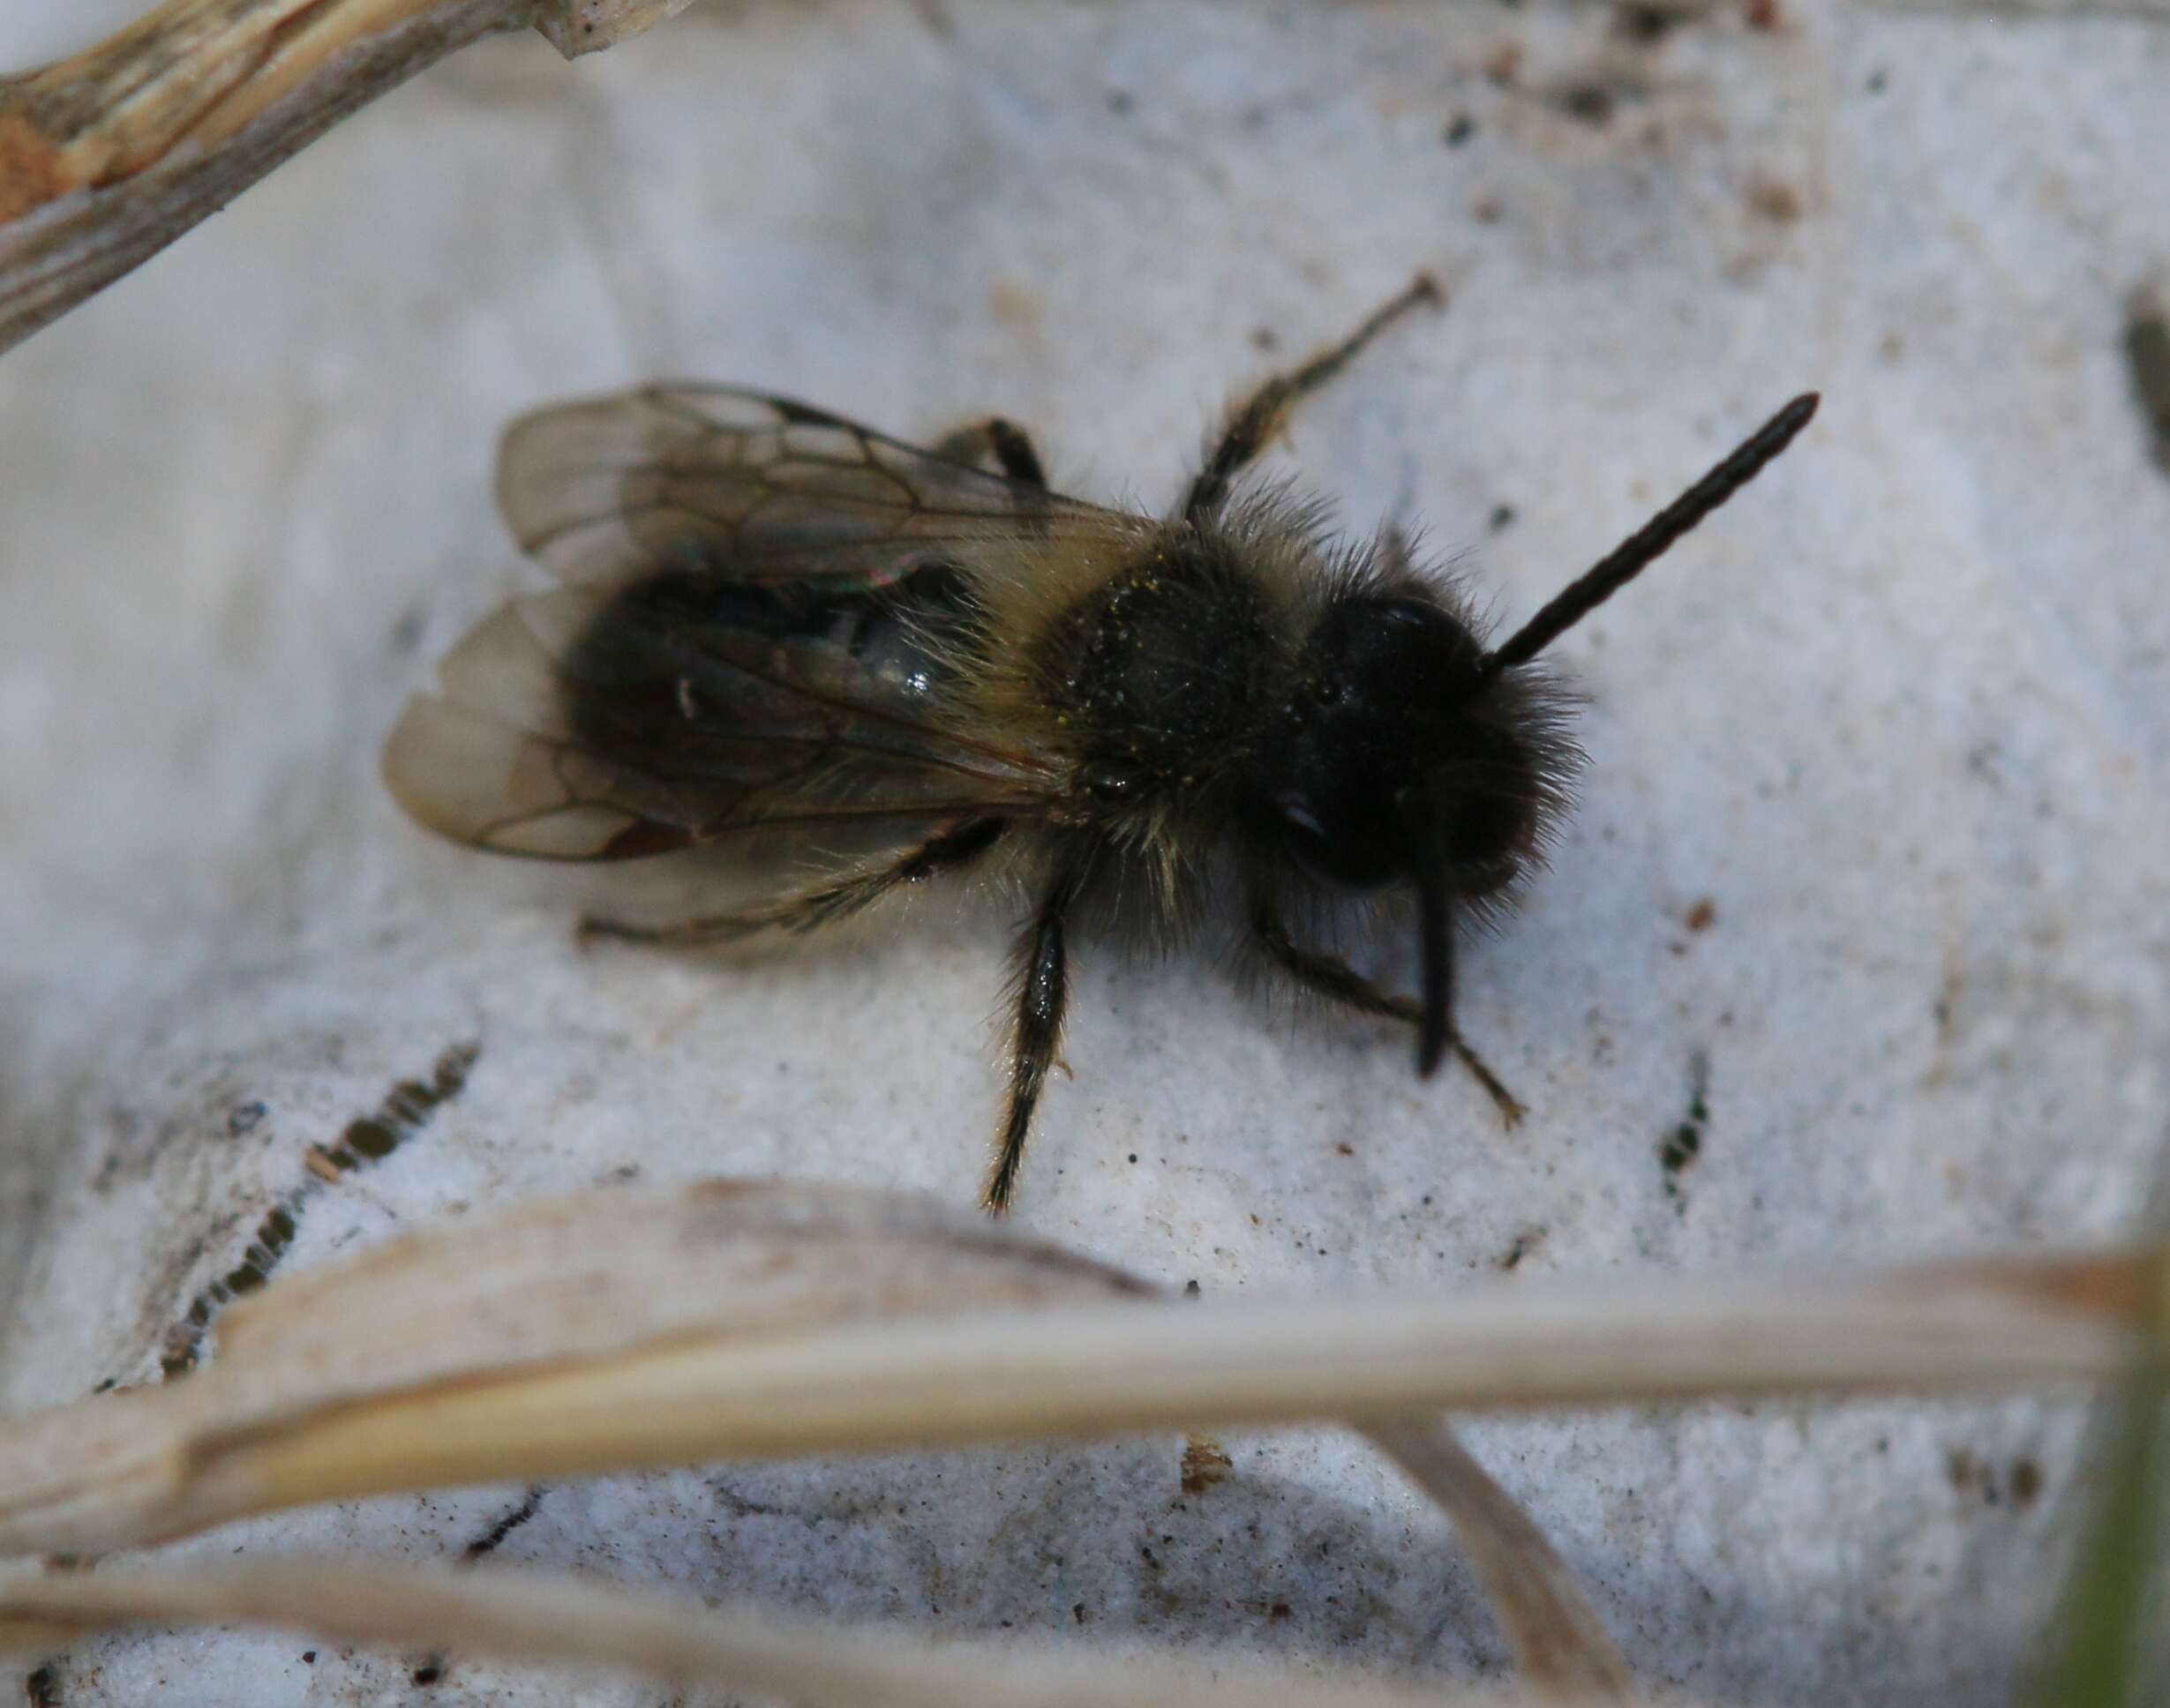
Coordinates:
x,y
579,726
759,487
764,609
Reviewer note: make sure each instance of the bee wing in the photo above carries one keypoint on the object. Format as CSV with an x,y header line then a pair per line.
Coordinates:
x,y
662,696
758,487
567,728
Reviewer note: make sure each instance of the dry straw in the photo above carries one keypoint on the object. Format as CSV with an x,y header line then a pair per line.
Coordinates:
x,y
620,1330
106,157
532,1616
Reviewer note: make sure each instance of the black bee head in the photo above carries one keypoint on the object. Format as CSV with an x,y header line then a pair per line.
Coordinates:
x,y
1403,757
1408,752
1399,749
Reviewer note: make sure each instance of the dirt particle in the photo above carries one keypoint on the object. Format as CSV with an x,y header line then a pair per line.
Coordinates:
x,y
491,1540
1646,24
2026,1481
1458,130
1944,1006
1205,1463
1014,306
2147,355
1970,1474
1586,103
369,1139
1279,1611
406,1109
1774,200
1764,15
1678,1149
1702,916
1505,64
1502,518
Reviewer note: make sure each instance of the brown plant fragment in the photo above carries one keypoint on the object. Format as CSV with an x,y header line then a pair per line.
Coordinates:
x,y
1205,1463
107,156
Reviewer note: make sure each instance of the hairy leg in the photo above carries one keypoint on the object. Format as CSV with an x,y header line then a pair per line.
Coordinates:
x,y
1331,977
1009,443
807,909
1254,422
1036,1033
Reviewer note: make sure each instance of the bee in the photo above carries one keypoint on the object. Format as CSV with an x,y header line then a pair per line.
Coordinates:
x,y
770,618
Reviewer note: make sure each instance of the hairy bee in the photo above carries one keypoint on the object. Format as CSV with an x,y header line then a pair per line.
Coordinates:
x,y
774,619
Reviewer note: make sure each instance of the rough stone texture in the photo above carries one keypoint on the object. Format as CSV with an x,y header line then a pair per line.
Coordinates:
x,y
1902,715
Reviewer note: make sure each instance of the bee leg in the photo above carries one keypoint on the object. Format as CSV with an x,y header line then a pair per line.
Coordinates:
x,y
807,909
1331,977
1043,991
1253,423
1009,443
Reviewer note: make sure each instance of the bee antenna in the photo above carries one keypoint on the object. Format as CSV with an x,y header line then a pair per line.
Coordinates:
x,y
1650,541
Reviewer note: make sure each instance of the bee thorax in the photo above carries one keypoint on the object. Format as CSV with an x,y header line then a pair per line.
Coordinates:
x,y
1161,673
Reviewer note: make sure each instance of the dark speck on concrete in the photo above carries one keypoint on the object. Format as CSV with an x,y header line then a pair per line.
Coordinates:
x,y
1589,102
1645,24
1678,1151
2147,357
